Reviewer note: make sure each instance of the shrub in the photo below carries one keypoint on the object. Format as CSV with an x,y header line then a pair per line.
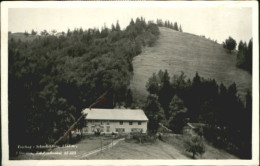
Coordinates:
x,y
194,145
143,138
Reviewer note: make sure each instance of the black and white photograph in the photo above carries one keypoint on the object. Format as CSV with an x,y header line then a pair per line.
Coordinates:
x,y
156,82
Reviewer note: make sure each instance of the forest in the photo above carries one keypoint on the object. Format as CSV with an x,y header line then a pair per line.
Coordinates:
x,y
53,77
176,101
245,55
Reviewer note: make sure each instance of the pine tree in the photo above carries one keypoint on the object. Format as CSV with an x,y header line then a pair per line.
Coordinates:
x,y
180,29
34,32
132,22
165,24
175,27
165,93
129,98
171,25
113,28
177,113
154,112
249,56
117,26
244,55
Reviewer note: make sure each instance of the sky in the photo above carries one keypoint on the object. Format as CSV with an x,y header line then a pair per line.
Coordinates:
x,y
218,23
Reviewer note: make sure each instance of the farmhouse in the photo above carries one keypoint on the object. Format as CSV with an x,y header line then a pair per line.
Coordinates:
x,y
115,121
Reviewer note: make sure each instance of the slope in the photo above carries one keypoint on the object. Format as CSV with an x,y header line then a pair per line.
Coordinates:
x,y
176,52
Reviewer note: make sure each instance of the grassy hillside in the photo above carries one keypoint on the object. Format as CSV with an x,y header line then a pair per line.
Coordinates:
x,y
158,150
172,148
176,52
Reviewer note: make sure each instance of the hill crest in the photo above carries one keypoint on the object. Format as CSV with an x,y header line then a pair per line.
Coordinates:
x,y
177,51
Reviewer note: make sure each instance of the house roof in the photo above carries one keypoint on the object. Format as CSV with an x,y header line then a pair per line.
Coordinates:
x,y
115,114
196,125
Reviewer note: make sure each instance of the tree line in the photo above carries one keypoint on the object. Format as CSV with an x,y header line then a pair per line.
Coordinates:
x,y
176,101
244,54
169,24
52,78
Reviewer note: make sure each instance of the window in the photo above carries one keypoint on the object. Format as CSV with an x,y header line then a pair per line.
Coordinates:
x,y
139,123
85,129
108,128
93,128
120,130
136,130
101,122
121,122
130,123
102,129
107,122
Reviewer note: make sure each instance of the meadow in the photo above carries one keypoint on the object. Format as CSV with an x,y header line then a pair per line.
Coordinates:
x,y
183,52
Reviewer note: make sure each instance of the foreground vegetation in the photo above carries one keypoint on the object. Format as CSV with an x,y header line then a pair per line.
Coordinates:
x,y
53,77
171,147
177,101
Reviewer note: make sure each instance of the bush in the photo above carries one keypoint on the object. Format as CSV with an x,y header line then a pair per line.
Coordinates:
x,y
143,138
194,145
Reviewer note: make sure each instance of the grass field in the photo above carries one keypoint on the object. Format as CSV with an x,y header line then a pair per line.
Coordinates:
x,y
176,52
87,144
132,150
173,148
210,151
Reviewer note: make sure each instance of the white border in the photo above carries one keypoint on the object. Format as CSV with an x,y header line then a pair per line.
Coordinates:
x,y
123,4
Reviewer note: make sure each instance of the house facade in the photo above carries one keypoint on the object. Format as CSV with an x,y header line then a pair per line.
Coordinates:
x,y
115,121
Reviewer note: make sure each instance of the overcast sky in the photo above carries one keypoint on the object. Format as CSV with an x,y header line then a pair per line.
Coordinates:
x,y
217,22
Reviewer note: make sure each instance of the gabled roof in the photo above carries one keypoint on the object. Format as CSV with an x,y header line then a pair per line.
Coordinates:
x,y
196,125
115,114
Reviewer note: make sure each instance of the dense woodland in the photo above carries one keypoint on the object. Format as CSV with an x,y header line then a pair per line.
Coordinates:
x,y
52,78
245,55
178,100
